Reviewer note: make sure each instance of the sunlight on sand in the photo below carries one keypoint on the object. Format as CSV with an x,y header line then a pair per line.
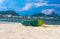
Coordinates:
x,y
19,31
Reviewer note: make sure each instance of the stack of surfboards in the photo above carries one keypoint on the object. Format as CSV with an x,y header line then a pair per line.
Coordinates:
x,y
33,23
36,23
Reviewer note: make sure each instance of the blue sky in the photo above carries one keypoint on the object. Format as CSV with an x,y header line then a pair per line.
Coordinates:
x,y
29,7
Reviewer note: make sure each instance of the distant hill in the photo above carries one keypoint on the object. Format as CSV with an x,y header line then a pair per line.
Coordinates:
x,y
13,13
52,15
38,14
43,15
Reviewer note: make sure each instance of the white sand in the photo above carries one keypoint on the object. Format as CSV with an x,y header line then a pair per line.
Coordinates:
x,y
18,31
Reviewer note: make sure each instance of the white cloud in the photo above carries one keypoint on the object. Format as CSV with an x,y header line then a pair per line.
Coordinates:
x,y
26,7
57,5
39,4
45,4
3,7
47,11
30,5
1,1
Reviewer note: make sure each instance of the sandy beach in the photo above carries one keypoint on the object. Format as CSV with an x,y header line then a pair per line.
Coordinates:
x,y
19,31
